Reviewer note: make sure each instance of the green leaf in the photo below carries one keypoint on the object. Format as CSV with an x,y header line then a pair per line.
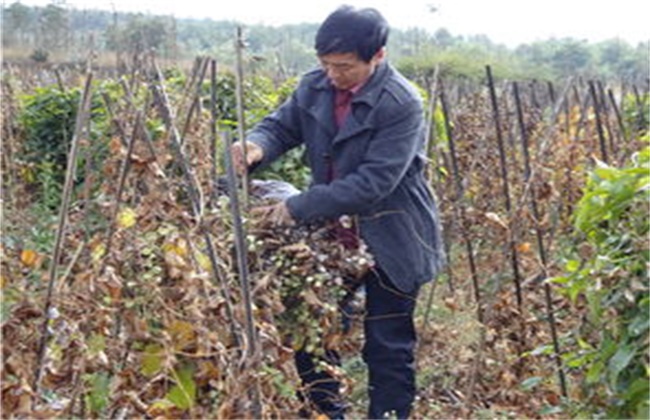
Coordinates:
x,y
97,398
620,361
594,373
550,410
96,344
578,360
558,280
639,325
637,390
183,394
584,345
572,266
531,383
542,350
577,286
152,360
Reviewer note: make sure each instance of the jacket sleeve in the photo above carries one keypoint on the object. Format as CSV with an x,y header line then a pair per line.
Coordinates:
x,y
396,141
278,132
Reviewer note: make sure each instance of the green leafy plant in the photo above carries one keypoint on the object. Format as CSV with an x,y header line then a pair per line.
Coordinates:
x,y
608,279
635,112
48,122
97,397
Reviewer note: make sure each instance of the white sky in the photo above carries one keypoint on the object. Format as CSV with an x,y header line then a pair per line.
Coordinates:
x,y
510,22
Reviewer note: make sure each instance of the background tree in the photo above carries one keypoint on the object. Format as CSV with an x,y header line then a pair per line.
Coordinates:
x,y
287,50
570,57
53,29
17,25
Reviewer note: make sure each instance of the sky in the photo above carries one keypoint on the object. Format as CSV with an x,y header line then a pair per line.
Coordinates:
x,y
509,22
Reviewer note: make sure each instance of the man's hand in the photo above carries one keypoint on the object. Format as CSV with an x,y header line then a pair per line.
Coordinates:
x,y
254,154
276,214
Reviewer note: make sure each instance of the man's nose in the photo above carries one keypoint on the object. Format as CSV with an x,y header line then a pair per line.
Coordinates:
x,y
332,73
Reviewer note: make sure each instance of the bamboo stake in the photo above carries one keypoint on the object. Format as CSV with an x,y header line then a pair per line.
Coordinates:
x,y
547,137
621,126
111,115
213,128
196,68
617,113
440,155
551,91
460,208
126,165
431,109
190,183
82,116
641,111
242,265
145,133
545,140
195,98
540,241
533,95
599,124
602,100
514,257
584,105
567,115
162,101
241,119
430,147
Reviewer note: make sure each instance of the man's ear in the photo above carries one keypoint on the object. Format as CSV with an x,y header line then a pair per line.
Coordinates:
x,y
379,55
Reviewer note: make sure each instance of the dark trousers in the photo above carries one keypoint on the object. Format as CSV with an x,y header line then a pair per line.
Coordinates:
x,y
388,352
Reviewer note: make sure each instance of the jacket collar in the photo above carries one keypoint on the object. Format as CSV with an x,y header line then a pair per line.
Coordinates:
x,y
369,94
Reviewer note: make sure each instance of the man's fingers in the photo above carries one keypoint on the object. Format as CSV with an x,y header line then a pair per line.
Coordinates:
x,y
254,154
237,158
276,214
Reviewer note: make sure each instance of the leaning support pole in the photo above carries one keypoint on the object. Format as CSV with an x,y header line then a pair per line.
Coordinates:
x,y
214,119
124,171
241,118
540,240
252,352
514,257
80,123
430,130
460,208
619,118
195,98
599,124
605,118
162,102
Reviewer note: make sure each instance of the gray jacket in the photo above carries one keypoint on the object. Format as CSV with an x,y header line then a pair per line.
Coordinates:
x,y
378,158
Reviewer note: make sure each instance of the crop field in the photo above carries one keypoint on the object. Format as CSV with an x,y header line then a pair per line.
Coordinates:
x,y
136,283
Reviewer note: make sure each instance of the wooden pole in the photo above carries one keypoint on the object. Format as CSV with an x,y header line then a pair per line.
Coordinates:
x,y
80,123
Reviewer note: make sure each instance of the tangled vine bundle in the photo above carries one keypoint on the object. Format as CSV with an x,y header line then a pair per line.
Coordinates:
x,y
308,277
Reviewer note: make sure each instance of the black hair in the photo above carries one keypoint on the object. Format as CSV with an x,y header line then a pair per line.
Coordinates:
x,y
363,31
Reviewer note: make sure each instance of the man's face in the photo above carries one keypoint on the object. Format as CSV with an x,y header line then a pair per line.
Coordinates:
x,y
346,70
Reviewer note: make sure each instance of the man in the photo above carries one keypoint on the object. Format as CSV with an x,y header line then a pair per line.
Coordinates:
x,y
362,125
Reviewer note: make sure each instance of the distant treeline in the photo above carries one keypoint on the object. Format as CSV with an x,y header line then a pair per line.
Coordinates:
x,y
56,33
